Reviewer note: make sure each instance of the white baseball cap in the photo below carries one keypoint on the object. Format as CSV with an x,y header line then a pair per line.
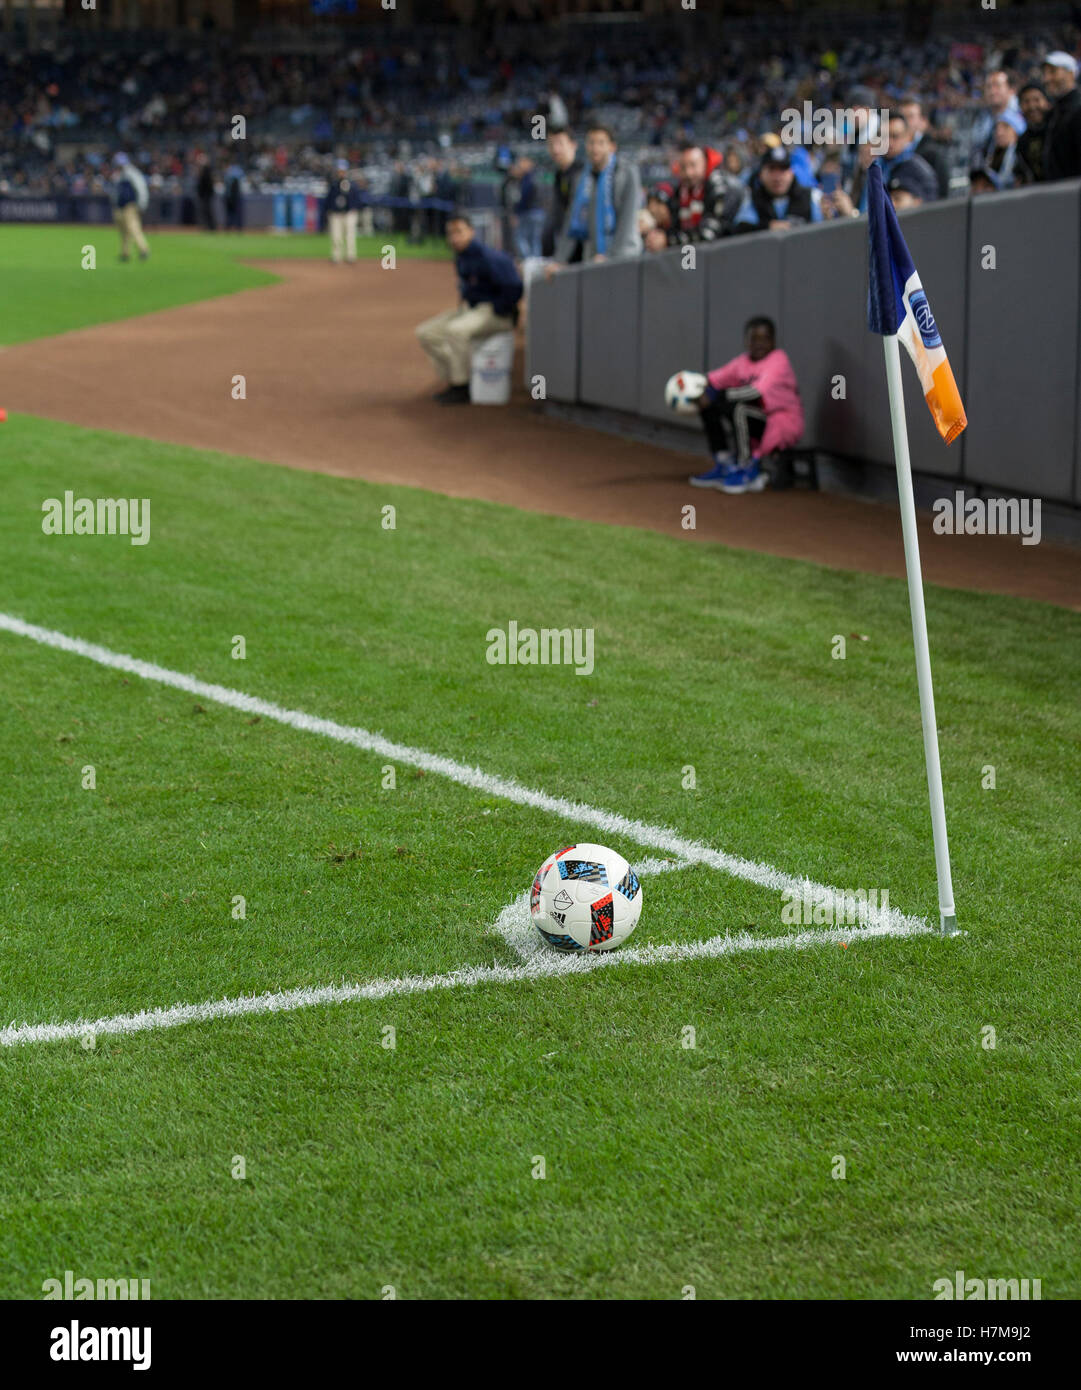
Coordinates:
x,y
1058,59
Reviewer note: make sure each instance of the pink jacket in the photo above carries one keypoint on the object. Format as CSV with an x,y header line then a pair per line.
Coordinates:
x,y
775,382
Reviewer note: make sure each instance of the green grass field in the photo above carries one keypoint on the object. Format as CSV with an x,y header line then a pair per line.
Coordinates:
x,y
366,1166
47,290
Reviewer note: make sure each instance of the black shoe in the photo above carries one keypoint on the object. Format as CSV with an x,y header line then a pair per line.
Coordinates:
x,y
453,395
124,258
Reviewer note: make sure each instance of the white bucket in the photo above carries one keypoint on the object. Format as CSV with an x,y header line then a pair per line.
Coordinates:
x,y
493,361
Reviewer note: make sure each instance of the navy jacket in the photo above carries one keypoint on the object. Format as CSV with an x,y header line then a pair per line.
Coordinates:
x,y
488,277
342,195
528,194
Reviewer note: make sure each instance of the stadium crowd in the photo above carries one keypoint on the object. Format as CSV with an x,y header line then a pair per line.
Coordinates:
x,y
709,136
647,82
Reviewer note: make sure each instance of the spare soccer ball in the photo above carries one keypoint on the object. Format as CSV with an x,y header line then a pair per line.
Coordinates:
x,y
681,392
585,898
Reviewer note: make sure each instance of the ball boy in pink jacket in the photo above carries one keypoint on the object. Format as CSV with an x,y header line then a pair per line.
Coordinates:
x,y
750,408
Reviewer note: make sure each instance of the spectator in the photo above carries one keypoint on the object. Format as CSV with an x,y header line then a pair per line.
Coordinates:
x,y
446,190
204,194
857,138
707,199
529,212
1035,108
365,216
1062,138
489,288
774,201
602,221
999,95
835,201
911,184
657,232
422,217
749,409
735,164
802,168
899,151
234,198
922,143
1009,127
563,150
130,198
343,214
401,189
982,180
508,198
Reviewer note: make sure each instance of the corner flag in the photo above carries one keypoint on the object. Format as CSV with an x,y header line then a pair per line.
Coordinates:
x,y
897,305
897,308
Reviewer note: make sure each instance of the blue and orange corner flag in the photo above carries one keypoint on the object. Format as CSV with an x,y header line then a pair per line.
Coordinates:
x,y
897,306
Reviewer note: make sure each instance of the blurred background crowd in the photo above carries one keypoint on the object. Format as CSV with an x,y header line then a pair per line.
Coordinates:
x,y
421,113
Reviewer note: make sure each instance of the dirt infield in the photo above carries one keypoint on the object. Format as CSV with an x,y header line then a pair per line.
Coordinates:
x,y
336,383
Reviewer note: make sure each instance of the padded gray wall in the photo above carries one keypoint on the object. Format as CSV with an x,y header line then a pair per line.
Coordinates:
x,y
552,347
743,278
672,329
608,323
822,325
1013,333
1023,353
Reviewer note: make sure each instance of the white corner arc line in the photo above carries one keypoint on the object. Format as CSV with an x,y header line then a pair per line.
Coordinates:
x,y
545,966
661,838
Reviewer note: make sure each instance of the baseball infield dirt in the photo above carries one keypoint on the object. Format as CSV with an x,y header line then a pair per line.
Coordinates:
x,y
336,383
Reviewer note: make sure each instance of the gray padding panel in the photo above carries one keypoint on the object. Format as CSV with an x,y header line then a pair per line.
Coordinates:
x,y
672,328
1023,355
608,326
553,335
743,278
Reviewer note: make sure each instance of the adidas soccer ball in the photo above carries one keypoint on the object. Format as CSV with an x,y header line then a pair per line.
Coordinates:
x,y
681,392
585,898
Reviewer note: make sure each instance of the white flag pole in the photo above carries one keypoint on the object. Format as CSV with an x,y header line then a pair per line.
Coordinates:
x,y
947,918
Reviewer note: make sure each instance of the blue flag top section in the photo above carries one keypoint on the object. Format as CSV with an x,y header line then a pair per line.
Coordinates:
x,y
891,263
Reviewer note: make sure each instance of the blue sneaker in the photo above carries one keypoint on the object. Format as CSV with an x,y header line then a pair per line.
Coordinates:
x,y
722,469
749,479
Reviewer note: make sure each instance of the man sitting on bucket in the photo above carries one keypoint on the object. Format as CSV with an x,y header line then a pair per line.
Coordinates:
x,y
750,409
489,288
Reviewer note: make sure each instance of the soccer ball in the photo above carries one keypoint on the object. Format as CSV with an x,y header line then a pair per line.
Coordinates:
x,y
681,392
585,898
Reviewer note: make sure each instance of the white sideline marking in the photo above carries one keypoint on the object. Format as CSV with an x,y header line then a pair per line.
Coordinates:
x,y
653,837
543,966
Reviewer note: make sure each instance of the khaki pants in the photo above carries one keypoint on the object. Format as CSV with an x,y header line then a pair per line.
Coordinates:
x,y
448,339
343,235
130,224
